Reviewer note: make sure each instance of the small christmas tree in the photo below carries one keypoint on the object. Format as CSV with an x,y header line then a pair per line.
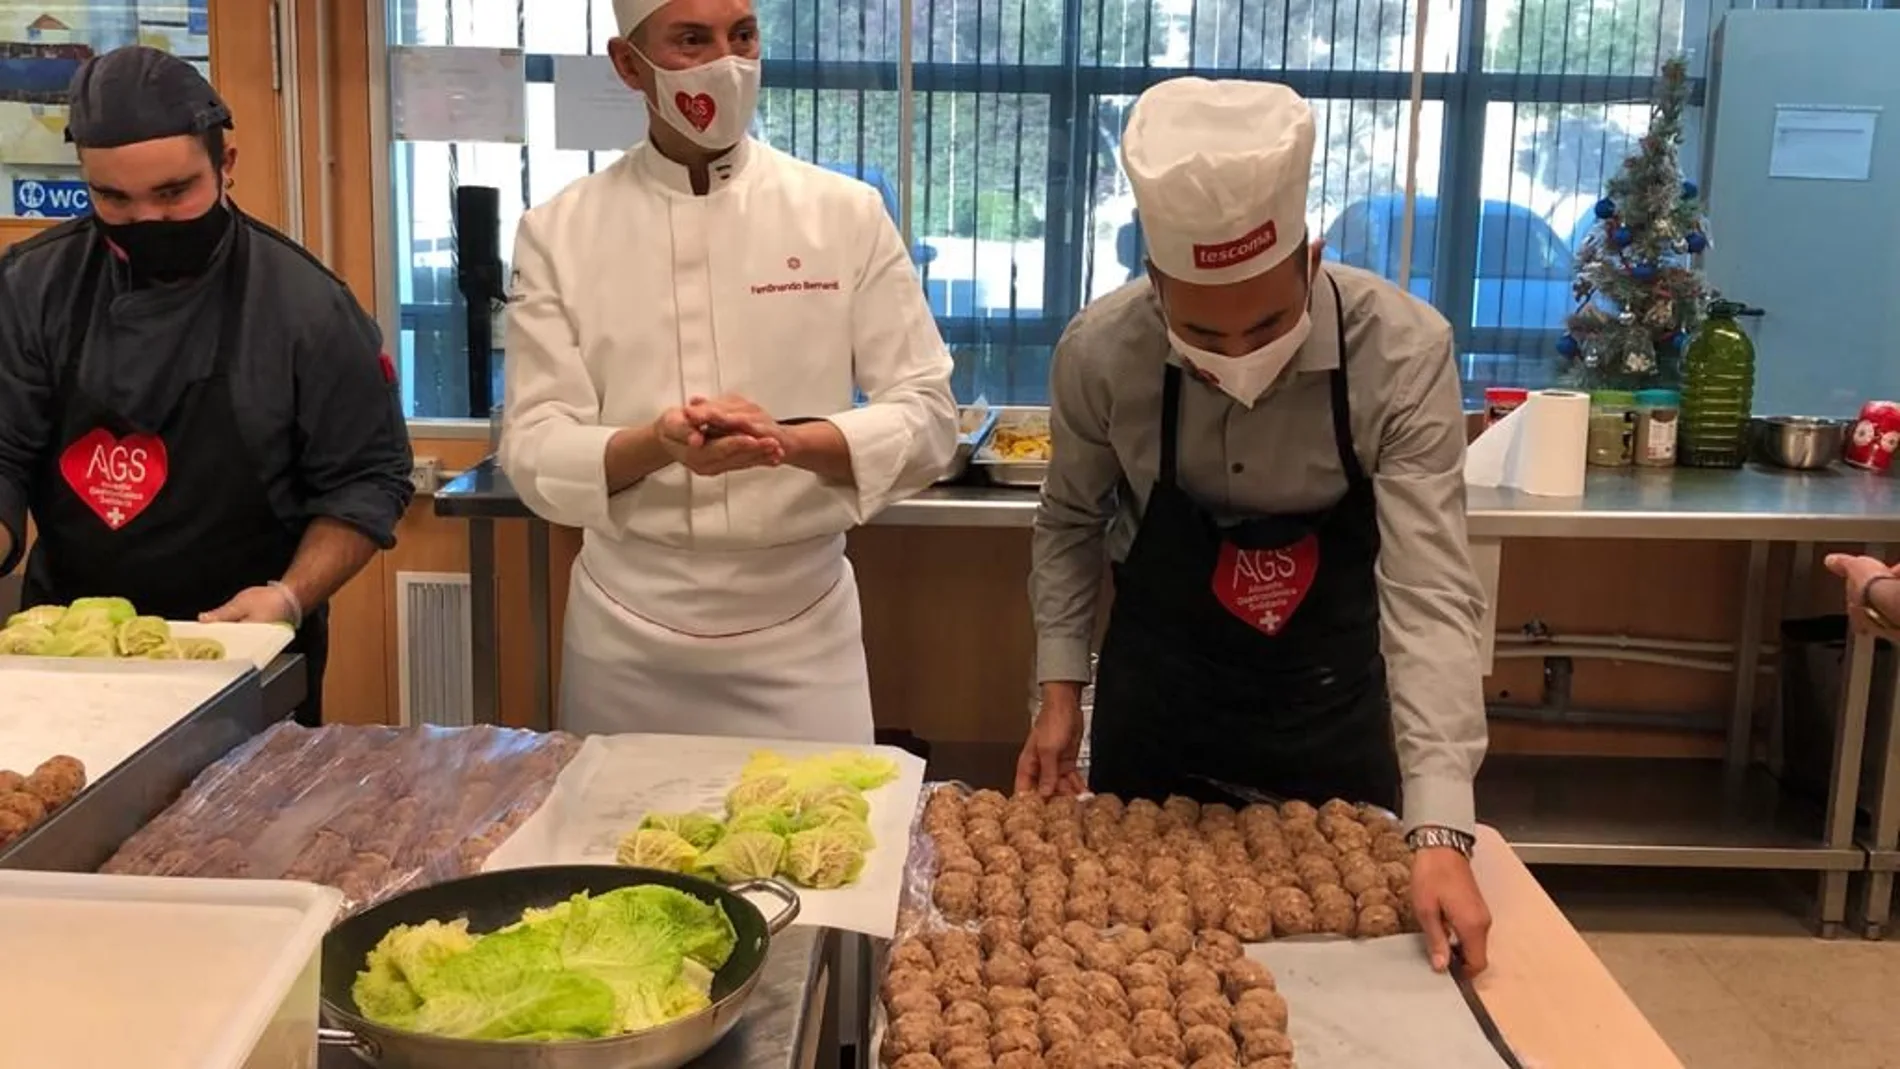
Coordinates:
x,y
1640,295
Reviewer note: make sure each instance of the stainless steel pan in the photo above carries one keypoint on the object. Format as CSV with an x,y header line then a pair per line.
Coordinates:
x,y
495,900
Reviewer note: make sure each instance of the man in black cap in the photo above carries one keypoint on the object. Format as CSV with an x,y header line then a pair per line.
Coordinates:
x,y
196,414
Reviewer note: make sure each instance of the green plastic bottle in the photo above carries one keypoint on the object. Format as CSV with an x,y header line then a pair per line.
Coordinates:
x,y
1718,391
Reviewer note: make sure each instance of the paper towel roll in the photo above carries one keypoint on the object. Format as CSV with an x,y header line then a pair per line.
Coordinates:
x,y
1540,449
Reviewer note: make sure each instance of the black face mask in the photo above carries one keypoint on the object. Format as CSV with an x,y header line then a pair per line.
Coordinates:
x,y
168,250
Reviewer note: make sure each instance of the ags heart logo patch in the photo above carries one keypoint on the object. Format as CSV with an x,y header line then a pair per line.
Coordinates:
x,y
1263,588
699,110
117,478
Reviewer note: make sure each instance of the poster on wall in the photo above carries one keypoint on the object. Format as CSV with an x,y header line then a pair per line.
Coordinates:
x,y
40,51
458,94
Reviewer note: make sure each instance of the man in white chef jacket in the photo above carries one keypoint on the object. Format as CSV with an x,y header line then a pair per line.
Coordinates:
x,y
687,332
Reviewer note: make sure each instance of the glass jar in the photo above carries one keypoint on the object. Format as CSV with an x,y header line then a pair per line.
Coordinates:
x,y
1718,391
1612,428
1658,416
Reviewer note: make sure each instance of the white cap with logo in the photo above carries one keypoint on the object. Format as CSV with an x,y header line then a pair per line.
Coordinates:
x,y
1219,170
631,13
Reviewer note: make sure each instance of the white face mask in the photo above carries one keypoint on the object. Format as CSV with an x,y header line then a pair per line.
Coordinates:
x,y
712,104
1245,378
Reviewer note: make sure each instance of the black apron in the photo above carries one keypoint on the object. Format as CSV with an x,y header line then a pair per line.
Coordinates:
x,y
175,517
1247,655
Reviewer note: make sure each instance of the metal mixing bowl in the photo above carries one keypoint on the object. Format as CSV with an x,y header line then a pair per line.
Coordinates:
x,y
1803,443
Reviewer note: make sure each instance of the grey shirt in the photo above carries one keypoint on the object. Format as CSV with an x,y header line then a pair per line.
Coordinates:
x,y
1279,457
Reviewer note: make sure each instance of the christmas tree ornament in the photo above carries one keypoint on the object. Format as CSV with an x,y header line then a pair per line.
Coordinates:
x,y
1606,209
1643,271
1567,346
1698,241
1689,191
1622,236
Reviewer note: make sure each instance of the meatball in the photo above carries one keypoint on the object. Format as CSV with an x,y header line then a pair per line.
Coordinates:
x,y
921,1059
983,834
1259,1044
1036,851
1039,927
1104,956
968,1013
1176,939
1087,873
1245,974
1106,1051
1104,805
913,1002
911,953
1336,919
1219,946
1004,998
1002,861
1170,909
1044,968
1205,1040
960,980
1249,923
11,781
998,884
1015,1039
1351,835
1020,1059
964,863
1215,1061
953,944
898,981
1376,922
1276,875
986,801
1106,990
1152,1041
1111,1021
1135,940
1008,972
956,896
55,786
914,1033
1359,879
1162,871
1088,907
1270,849
1128,905
1260,1008
1233,853
1331,895
1298,812
1014,1017
1141,974
1054,947
1079,934
1210,910
1378,896
968,1058
26,804
1292,912
1123,865
1164,959
12,826
1199,1009
1059,989
997,931
1059,1028
1066,1056
1185,811
1218,815
1315,871
1150,998
1195,977
1398,876
1390,846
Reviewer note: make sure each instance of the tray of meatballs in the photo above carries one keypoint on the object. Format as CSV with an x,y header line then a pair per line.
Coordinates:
x,y
1070,933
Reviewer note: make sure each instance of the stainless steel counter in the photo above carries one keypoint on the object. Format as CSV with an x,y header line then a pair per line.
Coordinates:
x,y
784,1019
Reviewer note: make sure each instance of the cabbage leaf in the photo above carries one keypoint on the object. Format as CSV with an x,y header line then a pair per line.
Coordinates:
x,y
696,828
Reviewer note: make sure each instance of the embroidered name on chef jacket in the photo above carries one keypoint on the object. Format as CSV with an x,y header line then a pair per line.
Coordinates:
x,y
793,263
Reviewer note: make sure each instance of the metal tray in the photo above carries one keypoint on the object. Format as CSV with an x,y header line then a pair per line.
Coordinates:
x,y
968,442
1029,473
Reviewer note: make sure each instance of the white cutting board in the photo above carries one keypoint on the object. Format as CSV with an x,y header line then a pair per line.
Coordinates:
x,y
101,712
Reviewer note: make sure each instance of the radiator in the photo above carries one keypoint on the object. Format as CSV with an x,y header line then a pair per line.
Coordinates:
x,y
435,663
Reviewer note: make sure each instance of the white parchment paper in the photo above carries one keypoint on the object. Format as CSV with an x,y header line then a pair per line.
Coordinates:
x,y
617,779
1373,1004
101,712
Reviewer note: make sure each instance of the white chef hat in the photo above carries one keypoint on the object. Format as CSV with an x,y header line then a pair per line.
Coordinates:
x,y
1219,170
631,13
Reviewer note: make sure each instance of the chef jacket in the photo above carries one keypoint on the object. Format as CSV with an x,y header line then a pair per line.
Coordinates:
x,y
785,284
1280,457
313,392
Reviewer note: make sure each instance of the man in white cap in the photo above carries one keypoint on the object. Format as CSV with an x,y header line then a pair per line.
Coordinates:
x,y
1269,451
687,332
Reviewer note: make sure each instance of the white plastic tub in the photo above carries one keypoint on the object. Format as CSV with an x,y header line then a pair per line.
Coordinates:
x,y
103,972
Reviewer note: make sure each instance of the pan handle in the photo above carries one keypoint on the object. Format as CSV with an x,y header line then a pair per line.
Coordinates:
x,y
775,889
360,1046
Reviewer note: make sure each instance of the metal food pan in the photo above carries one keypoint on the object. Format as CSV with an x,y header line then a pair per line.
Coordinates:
x,y
973,429
1004,472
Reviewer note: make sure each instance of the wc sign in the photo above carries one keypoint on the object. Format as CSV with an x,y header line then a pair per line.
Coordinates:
x,y
35,198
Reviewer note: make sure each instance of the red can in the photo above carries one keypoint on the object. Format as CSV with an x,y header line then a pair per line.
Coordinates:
x,y
1876,436
1501,401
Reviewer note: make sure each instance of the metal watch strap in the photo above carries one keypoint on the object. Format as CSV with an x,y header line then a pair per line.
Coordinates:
x,y
1427,838
1867,606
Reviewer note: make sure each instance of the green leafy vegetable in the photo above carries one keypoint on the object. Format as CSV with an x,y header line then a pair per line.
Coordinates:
x,y
840,822
91,642
141,635
745,855
200,649
696,828
25,640
592,966
857,769
652,848
823,858
116,610
774,821
826,796
94,619
47,616
771,790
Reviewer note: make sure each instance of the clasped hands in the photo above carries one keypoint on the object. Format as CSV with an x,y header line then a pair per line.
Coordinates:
x,y
714,437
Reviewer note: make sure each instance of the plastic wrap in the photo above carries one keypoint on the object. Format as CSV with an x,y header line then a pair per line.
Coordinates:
x,y
371,811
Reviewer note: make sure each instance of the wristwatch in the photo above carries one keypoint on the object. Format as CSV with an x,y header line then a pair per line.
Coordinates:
x,y
1449,838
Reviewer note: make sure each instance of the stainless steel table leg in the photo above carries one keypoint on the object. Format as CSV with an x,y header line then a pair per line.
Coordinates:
x,y
1747,658
484,621
1877,904
1843,798
539,623
1794,606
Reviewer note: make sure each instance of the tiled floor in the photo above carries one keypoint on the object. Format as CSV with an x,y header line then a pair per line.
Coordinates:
x,y
1727,971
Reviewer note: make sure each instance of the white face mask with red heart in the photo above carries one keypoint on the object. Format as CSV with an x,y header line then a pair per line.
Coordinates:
x,y
712,104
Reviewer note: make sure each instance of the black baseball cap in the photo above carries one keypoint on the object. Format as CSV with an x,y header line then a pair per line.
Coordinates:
x,y
135,94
